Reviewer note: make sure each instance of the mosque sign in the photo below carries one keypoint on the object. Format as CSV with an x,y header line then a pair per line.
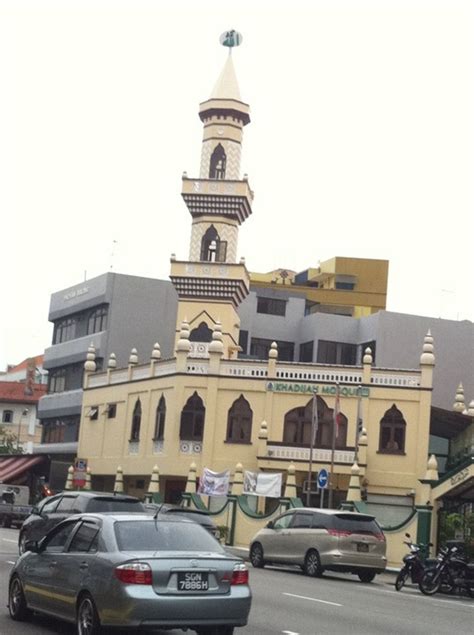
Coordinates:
x,y
318,389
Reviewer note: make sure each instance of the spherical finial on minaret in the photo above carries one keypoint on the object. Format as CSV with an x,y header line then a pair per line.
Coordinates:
x,y
112,363
231,38
216,346
470,409
133,359
183,342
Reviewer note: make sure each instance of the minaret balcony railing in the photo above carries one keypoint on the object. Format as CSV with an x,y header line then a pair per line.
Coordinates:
x,y
218,197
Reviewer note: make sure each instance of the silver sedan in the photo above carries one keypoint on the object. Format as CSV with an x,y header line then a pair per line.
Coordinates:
x,y
131,571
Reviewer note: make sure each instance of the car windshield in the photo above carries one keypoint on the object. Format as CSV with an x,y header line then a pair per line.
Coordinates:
x,y
114,505
156,535
356,524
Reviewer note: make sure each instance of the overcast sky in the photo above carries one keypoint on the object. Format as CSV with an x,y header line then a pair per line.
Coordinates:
x,y
360,143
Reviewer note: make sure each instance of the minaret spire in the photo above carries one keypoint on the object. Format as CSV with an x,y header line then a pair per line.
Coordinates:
x,y
219,201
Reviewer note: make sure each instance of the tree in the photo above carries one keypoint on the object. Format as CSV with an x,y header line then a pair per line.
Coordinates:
x,y
9,442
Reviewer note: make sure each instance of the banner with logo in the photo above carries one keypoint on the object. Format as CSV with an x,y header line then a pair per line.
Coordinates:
x,y
263,484
214,483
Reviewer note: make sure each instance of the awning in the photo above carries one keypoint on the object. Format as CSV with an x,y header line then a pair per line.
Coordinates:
x,y
11,467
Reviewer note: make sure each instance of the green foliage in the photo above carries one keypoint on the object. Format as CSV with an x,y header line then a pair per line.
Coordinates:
x,y
8,442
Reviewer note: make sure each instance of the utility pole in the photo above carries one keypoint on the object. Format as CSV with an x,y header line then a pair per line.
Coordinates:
x,y
312,442
333,446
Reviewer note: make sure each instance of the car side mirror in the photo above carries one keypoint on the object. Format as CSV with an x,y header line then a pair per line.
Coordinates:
x,y
269,525
32,545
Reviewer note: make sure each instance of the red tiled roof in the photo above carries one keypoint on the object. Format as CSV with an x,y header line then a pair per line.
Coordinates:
x,y
14,391
22,365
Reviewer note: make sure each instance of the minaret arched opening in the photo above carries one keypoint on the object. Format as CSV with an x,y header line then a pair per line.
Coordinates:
x,y
218,163
213,249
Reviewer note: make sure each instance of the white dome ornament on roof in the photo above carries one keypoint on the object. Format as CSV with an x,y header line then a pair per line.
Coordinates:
x,y
427,357
183,343
156,352
90,365
216,346
459,405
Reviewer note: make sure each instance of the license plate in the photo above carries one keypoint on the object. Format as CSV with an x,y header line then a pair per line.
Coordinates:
x,y
193,581
362,547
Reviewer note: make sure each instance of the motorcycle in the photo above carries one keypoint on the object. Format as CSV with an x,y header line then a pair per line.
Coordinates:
x,y
453,568
414,563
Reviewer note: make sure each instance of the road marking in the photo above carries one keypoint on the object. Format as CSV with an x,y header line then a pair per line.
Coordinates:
x,y
425,598
10,562
9,540
303,597
290,633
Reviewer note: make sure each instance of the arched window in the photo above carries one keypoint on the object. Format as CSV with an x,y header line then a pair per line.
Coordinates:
x,y
217,164
136,421
160,417
201,334
392,432
213,249
239,422
192,419
297,426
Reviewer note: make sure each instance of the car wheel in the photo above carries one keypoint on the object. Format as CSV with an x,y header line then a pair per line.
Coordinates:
x,y
401,579
312,564
256,555
22,543
366,576
87,618
17,606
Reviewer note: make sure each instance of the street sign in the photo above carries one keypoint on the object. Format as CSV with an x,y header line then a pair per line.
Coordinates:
x,y
80,469
323,479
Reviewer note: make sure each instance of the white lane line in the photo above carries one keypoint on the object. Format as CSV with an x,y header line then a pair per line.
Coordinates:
x,y
290,633
424,598
9,540
303,597
10,562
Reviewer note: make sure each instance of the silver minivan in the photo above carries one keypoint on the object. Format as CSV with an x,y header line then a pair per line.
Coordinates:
x,y
322,539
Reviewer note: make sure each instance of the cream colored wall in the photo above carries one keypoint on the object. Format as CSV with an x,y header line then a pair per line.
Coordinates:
x,y
395,547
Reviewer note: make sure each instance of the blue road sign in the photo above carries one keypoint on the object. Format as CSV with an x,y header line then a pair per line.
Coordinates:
x,y
323,479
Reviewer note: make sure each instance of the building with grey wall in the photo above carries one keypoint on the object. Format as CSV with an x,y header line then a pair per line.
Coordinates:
x,y
114,312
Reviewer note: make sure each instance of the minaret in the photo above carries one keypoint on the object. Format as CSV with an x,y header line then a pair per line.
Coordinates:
x,y
211,284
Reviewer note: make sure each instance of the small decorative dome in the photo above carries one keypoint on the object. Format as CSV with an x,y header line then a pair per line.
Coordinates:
x,y
156,352
273,352
133,359
459,405
112,363
263,432
355,469
242,260
470,409
173,257
367,359
90,365
183,342
427,357
216,346
363,437
291,468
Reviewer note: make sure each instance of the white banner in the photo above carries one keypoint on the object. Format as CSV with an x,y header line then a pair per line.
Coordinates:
x,y
214,483
263,484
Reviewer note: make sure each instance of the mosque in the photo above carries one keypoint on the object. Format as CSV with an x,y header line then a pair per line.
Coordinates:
x,y
207,408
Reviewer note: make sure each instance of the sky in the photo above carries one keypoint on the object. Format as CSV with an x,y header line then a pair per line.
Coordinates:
x,y
360,143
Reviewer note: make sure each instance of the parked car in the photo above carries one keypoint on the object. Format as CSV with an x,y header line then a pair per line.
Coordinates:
x,y
198,516
322,539
14,504
131,571
52,510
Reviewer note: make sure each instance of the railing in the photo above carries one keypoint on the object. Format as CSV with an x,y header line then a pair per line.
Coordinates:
x,y
390,377
320,455
343,375
244,368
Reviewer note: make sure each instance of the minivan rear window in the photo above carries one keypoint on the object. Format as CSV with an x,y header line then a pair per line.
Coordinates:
x,y
356,524
114,505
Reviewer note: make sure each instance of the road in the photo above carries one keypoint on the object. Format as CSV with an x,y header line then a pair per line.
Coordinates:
x,y
289,603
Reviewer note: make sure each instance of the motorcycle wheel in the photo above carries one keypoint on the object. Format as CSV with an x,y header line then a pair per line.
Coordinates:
x,y
402,577
428,585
